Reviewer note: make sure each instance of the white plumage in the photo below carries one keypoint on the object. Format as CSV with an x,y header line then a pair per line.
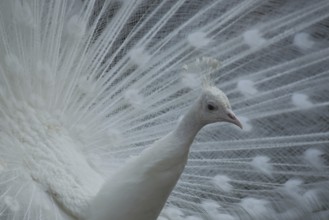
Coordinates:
x,y
89,88
144,183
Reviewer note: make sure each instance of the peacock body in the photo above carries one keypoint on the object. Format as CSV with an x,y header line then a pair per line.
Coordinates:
x,y
86,86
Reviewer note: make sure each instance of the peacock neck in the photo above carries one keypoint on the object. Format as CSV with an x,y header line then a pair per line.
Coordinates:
x,y
189,126
172,150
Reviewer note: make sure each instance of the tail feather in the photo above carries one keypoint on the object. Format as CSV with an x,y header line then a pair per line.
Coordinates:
x,y
110,76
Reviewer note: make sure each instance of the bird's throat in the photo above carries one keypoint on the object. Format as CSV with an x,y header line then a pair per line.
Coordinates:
x,y
188,127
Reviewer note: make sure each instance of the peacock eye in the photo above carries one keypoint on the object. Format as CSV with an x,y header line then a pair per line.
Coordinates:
x,y
211,107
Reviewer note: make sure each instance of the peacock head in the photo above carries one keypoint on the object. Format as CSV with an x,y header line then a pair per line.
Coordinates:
x,y
215,107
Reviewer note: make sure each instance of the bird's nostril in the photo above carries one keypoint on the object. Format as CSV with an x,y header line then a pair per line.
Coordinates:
x,y
231,116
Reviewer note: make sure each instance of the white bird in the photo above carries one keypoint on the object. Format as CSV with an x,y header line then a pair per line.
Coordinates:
x,y
148,179
88,87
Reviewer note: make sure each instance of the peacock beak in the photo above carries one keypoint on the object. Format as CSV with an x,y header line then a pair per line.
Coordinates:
x,y
231,118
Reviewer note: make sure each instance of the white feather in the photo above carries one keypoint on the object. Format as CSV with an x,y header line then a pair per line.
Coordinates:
x,y
253,38
86,87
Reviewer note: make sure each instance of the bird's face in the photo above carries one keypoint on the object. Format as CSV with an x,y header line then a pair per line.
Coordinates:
x,y
215,107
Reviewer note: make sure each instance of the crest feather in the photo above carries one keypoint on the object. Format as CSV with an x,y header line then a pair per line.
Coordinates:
x,y
203,67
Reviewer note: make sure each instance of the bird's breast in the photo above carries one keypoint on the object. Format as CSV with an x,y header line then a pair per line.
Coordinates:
x,y
142,195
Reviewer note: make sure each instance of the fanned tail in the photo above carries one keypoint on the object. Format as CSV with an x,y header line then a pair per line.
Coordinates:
x,y
105,79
